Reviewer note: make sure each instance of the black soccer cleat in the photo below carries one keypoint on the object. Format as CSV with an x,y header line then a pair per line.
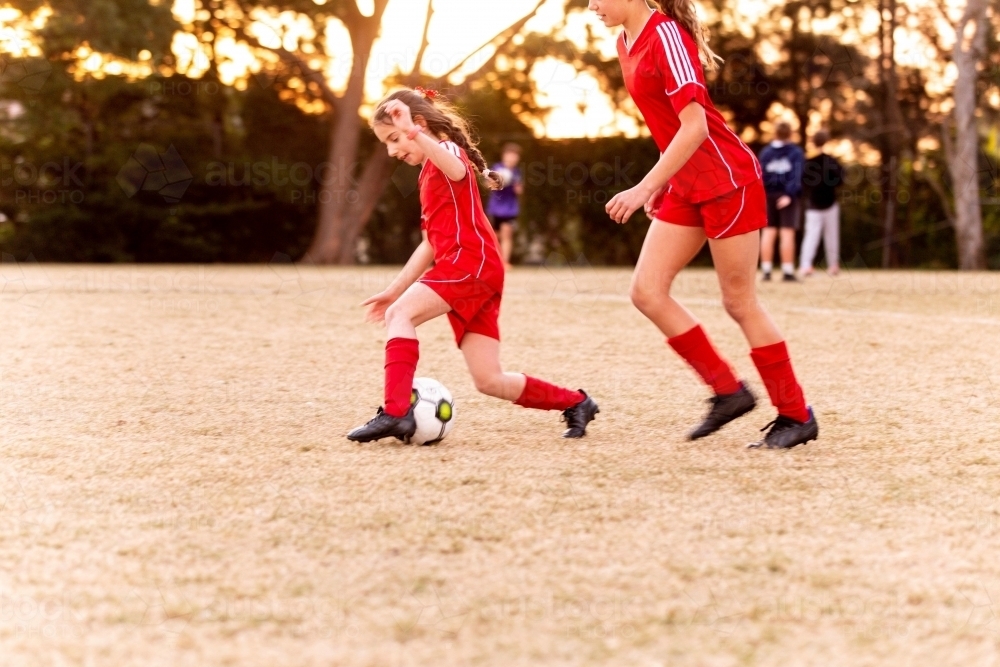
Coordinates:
x,y
786,433
789,278
766,277
384,425
578,416
725,408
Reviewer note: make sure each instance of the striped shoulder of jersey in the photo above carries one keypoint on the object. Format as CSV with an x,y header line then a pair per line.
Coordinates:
x,y
677,54
452,147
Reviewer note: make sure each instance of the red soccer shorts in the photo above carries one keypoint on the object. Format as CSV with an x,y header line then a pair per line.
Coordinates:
x,y
475,305
737,212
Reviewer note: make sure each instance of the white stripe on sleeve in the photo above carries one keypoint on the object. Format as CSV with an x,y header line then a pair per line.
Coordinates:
x,y
682,52
677,69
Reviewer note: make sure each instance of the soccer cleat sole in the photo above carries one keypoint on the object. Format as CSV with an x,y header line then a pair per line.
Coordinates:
x,y
761,445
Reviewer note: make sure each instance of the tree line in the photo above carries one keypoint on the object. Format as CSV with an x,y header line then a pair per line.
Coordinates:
x,y
138,161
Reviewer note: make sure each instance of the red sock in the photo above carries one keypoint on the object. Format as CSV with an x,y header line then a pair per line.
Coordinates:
x,y
401,356
695,348
541,395
775,369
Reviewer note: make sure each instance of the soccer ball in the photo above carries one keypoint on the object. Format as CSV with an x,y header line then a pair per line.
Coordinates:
x,y
433,410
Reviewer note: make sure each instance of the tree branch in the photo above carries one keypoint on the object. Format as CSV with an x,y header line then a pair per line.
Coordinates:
x,y
287,56
424,41
938,188
505,35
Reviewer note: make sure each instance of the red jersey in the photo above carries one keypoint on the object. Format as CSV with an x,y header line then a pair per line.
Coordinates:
x,y
457,228
663,74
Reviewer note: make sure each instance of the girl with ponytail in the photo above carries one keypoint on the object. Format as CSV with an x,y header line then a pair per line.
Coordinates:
x,y
706,186
466,281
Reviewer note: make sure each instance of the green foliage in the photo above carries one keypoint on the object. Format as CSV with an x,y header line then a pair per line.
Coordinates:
x,y
247,174
119,27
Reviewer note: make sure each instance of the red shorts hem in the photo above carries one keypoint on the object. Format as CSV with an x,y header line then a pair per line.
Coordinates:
x,y
737,212
475,305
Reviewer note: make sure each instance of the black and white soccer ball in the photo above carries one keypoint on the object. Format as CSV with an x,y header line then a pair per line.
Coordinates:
x,y
433,410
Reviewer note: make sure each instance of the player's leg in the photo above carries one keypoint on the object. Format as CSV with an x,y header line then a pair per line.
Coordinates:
x,y
790,218
668,248
769,235
831,239
767,238
506,242
787,243
735,263
482,356
810,241
418,304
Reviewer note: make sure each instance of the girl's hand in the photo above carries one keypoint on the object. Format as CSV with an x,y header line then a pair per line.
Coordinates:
x,y
653,203
624,204
400,114
377,305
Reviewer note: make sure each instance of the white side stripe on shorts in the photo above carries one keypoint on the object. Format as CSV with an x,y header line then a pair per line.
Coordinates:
x,y
743,198
457,280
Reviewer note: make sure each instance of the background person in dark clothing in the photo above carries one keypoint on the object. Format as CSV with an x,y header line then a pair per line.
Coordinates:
x,y
821,177
782,163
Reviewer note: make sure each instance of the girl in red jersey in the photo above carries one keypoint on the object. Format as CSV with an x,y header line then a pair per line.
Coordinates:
x,y
706,185
466,281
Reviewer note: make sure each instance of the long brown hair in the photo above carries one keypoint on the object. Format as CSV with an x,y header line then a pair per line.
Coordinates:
x,y
683,12
443,120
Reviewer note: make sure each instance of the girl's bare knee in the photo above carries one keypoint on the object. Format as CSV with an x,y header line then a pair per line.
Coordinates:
x,y
490,384
394,313
741,308
647,297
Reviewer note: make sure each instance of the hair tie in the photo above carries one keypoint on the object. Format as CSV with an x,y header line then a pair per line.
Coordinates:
x,y
428,94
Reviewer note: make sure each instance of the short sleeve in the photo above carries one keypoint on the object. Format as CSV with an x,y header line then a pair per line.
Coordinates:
x,y
683,77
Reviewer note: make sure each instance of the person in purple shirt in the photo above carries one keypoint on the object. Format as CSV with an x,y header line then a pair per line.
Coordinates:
x,y
504,204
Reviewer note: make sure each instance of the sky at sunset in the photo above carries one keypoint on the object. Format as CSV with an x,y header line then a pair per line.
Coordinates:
x,y
575,104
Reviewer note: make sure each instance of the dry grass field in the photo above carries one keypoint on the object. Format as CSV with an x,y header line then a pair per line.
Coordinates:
x,y
176,488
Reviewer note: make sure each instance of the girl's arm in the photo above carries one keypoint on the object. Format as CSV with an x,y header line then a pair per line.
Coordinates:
x,y
452,165
414,267
693,131
412,270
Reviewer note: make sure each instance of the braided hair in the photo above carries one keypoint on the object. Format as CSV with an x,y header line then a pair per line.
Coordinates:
x,y
443,120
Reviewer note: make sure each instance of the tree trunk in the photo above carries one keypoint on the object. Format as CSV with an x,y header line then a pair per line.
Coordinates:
x,y
371,184
339,194
893,132
963,159
345,204
800,75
